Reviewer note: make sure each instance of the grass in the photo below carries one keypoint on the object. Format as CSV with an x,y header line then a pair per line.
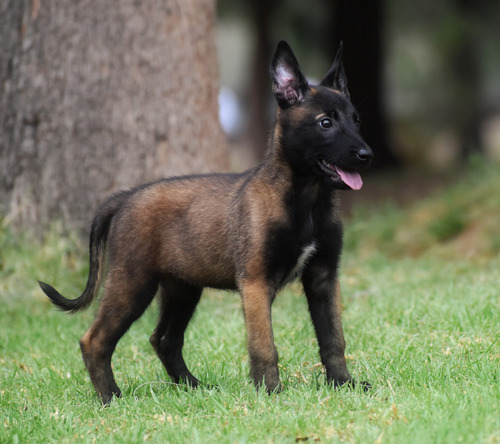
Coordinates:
x,y
421,320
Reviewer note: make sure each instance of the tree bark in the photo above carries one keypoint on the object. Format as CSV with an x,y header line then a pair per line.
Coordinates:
x,y
259,123
359,24
96,96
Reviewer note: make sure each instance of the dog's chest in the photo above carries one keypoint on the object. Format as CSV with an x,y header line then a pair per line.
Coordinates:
x,y
305,255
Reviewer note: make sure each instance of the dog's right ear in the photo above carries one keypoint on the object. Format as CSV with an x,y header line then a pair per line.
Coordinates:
x,y
336,78
289,84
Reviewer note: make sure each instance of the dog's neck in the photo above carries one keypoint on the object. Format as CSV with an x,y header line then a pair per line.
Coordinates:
x,y
304,189
275,165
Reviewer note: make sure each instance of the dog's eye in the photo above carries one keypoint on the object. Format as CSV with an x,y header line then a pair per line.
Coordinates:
x,y
325,123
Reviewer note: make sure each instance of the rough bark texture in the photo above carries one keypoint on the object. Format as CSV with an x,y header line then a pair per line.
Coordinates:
x,y
101,95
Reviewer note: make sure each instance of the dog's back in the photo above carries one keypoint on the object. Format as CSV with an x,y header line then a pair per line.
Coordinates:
x,y
180,227
192,227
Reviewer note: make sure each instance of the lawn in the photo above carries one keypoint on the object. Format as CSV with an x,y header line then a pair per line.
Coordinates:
x,y
421,318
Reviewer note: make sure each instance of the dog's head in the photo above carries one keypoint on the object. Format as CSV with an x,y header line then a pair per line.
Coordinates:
x,y
319,127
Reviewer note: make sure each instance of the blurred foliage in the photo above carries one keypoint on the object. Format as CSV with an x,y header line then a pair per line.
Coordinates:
x,y
450,223
461,221
442,71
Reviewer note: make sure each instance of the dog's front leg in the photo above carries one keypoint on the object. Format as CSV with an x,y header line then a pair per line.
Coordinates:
x,y
257,301
323,297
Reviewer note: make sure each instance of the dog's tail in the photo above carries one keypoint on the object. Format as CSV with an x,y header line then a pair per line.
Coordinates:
x,y
98,237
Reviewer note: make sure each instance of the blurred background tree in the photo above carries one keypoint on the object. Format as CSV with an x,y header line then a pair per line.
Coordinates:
x,y
96,96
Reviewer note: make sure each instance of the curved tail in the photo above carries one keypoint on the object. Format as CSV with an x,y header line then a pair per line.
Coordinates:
x,y
98,237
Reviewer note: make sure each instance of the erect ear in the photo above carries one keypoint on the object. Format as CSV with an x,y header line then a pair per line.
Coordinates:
x,y
289,84
336,78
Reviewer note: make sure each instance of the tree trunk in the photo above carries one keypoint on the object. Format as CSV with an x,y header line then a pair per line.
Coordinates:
x,y
259,123
359,24
97,96
465,70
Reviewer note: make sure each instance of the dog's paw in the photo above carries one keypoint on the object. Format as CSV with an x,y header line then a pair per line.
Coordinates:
x,y
352,384
365,385
276,389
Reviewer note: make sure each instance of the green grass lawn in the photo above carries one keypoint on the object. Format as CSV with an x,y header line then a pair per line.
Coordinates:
x,y
421,319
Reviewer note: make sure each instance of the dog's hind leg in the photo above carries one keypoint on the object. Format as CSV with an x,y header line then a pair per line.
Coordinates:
x,y
122,303
178,301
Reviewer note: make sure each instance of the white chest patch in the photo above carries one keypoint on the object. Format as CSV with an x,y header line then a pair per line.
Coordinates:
x,y
307,253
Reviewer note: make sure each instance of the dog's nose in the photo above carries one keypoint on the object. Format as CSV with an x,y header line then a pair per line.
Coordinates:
x,y
364,154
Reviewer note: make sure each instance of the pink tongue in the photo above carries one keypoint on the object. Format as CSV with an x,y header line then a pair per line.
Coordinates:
x,y
351,179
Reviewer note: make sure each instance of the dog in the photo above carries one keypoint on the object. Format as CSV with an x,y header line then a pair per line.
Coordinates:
x,y
253,232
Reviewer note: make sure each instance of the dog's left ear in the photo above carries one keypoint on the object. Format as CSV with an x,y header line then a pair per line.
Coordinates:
x,y
289,84
336,78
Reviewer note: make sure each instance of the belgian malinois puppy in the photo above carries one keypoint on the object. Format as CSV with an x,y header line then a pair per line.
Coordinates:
x,y
253,232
